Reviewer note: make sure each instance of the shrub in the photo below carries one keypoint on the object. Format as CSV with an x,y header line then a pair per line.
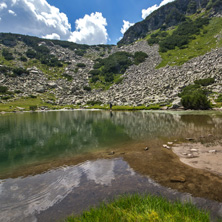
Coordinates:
x,y
205,82
33,96
31,54
33,108
139,57
6,97
219,98
193,97
189,89
5,69
81,65
183,34
76,70
116,63
153,40
87,88
67,76
42,49
19,71
94,72
3,89
196,100
23,59
94,79
7,55
92,102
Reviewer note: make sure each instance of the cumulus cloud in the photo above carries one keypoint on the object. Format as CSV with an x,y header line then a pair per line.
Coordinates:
x,y
41,19
36,18
126,25
91,29
148,11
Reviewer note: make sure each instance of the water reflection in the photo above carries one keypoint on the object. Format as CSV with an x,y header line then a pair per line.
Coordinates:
x,y
33,137
22,198
57,193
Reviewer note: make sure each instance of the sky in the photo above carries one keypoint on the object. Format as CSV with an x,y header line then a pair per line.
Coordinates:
x,y
89,22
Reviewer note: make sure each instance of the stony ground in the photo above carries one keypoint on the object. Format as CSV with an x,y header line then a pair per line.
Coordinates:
x,y
142,84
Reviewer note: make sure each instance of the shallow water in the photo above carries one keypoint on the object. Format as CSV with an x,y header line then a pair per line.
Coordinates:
x,y
55,194
28,139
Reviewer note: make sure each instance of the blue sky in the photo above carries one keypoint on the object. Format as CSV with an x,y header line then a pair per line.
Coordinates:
x,y
81,21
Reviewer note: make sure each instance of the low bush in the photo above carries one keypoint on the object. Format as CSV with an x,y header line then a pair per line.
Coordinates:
x,y
94,79
185,32
31,54
33,108
81,65
194,97
92,102
23,59
94,72
19,71
139,57
87,88
3,89
6,97
219,98
67,76
197,100
188,90
33,96
205,82
7,55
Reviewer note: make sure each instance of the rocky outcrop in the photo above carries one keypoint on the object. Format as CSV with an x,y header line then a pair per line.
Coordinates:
x,y
170,15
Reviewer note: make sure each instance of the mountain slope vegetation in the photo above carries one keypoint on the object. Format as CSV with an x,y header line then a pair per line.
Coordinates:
x,y
170,15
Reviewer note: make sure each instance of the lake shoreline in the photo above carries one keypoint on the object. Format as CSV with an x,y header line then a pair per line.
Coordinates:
x,y
145,146
160,164
132,109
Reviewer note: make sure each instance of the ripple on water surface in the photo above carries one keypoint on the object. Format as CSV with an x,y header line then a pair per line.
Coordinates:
x,y
55,194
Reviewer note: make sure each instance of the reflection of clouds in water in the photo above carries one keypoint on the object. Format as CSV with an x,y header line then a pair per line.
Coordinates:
x,y
21,198
100,171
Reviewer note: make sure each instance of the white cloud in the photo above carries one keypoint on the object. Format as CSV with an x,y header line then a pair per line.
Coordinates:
x,y
148,11
52,36
126,25
11,12
36,18
3,5
91,29
41,19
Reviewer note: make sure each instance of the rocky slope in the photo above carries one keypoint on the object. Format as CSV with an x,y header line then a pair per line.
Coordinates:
x,y
142,84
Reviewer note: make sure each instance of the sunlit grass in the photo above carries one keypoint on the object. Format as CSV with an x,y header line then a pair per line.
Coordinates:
x,y
27,102
138,208
210,38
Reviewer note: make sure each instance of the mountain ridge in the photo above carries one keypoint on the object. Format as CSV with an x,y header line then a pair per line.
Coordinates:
x,y
170,15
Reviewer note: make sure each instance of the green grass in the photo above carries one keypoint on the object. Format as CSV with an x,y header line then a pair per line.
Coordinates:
x,y
53,73
28,102
203,43
151,107
138,208
101,84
